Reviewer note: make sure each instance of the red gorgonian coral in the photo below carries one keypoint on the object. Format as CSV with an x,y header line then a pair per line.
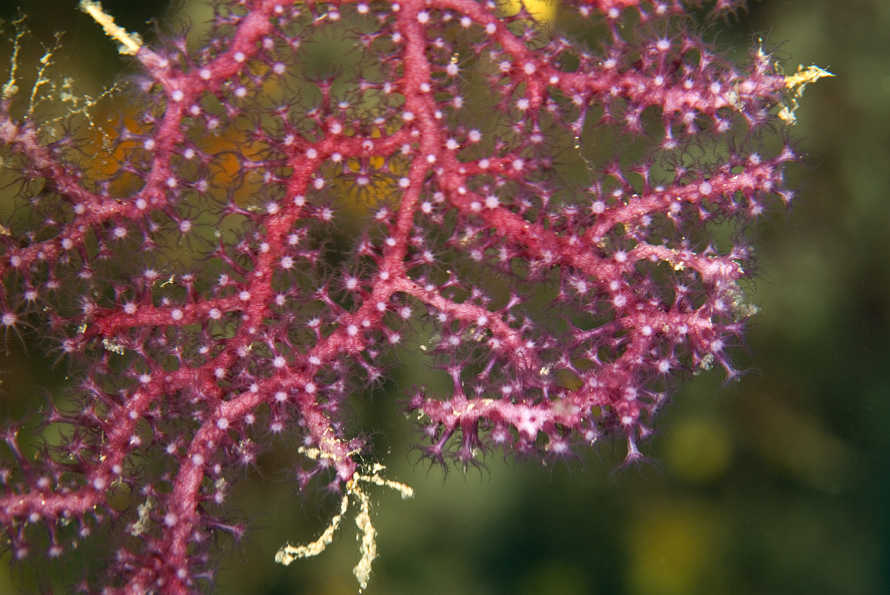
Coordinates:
x,y
555,212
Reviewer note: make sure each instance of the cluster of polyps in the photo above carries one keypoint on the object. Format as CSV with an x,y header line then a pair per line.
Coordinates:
x,y
271,216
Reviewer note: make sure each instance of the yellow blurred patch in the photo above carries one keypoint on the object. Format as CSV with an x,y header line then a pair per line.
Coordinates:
x,y
104,155
675,549
699,449
542,11
361,184
229,151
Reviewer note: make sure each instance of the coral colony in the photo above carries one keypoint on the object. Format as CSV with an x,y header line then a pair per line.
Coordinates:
x,y
552,213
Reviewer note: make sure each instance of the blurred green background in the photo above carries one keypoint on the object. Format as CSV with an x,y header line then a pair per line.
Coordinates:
x,y
779,483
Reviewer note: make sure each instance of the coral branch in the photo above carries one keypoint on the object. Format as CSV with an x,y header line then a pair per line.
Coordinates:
x,y
554,217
